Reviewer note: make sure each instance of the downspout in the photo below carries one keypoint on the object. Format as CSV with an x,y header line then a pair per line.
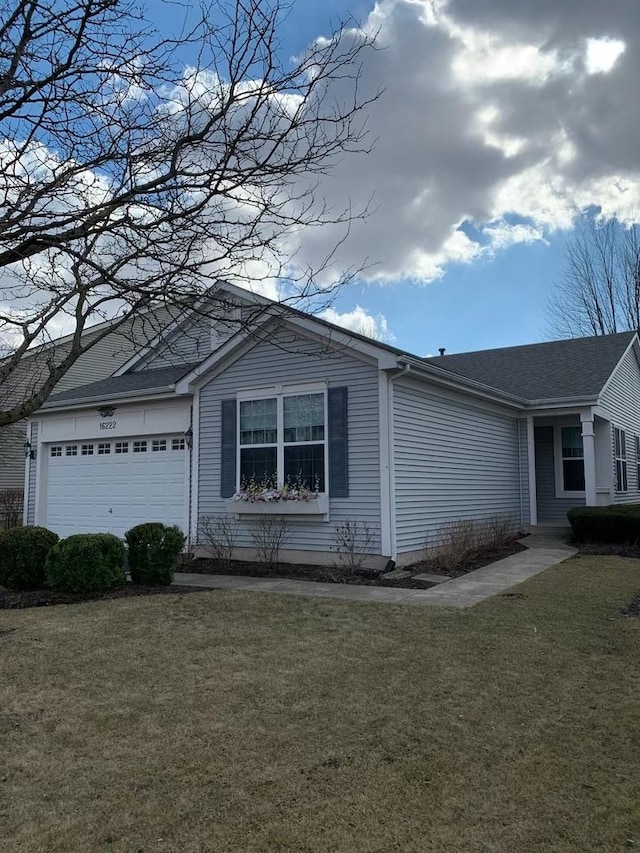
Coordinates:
x,y
395,374
520,469
190,487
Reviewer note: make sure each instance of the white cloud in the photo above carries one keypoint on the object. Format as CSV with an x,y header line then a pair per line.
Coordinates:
x,y
602,54
359,320
492,111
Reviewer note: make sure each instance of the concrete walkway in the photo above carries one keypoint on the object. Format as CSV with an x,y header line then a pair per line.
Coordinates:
x,y
543,551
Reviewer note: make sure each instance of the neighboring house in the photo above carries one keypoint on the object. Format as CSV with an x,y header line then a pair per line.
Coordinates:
x,y
395,442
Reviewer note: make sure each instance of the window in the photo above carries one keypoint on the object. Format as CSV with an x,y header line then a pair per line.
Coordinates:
x,y
158,444
139,446
620,440
71,450
122,446
104,449
87,449
56,450
177,444
282,440
572,459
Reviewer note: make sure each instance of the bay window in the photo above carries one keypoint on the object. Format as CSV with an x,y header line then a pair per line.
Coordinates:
x,y
282,440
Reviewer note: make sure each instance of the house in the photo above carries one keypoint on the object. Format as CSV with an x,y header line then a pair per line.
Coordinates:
x,y
397,443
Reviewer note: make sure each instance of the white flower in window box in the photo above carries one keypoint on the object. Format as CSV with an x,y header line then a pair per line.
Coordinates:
x,y
264,498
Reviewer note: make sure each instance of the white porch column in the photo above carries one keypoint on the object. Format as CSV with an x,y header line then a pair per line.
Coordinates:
x,y
589,450
531,457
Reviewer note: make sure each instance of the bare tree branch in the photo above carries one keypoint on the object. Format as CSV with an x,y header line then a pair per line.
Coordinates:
x,y
128,181
600,291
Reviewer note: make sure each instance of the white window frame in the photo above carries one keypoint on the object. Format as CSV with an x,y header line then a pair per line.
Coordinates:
x,y
55,451
561,492
158,445
143,446
178,444
104,448
621,458
280,392
71,450
121,447
86,450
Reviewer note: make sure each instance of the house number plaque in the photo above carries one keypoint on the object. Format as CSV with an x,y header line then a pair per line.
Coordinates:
x,y
107,424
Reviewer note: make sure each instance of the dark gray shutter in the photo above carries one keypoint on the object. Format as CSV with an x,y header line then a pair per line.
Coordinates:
x,y
228,449
338,443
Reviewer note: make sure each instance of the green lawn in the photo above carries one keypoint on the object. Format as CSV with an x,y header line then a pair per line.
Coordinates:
x,y
245,722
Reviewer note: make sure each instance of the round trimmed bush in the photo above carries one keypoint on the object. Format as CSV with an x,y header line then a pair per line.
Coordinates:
x,y
23,551
87,562
153,551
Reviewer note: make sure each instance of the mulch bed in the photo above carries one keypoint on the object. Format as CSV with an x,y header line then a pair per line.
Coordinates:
x,y
14,600
342,575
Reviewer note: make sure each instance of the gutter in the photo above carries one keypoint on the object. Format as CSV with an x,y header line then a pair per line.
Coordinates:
x,y
124,396
441,376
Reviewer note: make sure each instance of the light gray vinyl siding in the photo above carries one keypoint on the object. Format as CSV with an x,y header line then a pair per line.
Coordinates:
x,y
550,508
621,399
31,491
453,460
12,440
289,361
188,344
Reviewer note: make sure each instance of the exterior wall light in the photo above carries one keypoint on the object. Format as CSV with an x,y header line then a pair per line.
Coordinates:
x,y
188,438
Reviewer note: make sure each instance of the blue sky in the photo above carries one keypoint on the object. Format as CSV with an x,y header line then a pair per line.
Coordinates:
x,y
500,122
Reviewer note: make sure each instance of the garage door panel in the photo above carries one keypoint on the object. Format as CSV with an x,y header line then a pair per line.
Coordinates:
x,y
112,492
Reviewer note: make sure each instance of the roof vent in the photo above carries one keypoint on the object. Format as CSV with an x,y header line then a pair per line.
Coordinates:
x,y
441,350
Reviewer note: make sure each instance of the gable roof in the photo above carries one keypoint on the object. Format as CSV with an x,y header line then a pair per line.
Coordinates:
x,y
579,367
141,382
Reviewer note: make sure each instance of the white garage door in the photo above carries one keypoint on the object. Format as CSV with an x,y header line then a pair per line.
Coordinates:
x,y
108,486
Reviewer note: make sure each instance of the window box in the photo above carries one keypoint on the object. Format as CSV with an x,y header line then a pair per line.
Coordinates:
x,y
317,506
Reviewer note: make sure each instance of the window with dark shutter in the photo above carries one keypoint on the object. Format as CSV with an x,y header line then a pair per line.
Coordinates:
x,y
338,442
228,449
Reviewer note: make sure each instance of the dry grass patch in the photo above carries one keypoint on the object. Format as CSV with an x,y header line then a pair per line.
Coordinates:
x,y
243,722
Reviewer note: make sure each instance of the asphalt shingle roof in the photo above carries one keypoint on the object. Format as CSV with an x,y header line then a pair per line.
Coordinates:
x,y
574,368
142,380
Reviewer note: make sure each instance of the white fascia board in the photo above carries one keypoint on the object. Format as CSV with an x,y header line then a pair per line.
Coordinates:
x,y
632,345
242,340
380,354
439,376
561,406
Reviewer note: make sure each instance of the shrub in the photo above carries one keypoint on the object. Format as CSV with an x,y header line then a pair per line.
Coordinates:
x,y
456,542
87,562
269,535
153,551
219,533
354,543
23,551
11,503
620,524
